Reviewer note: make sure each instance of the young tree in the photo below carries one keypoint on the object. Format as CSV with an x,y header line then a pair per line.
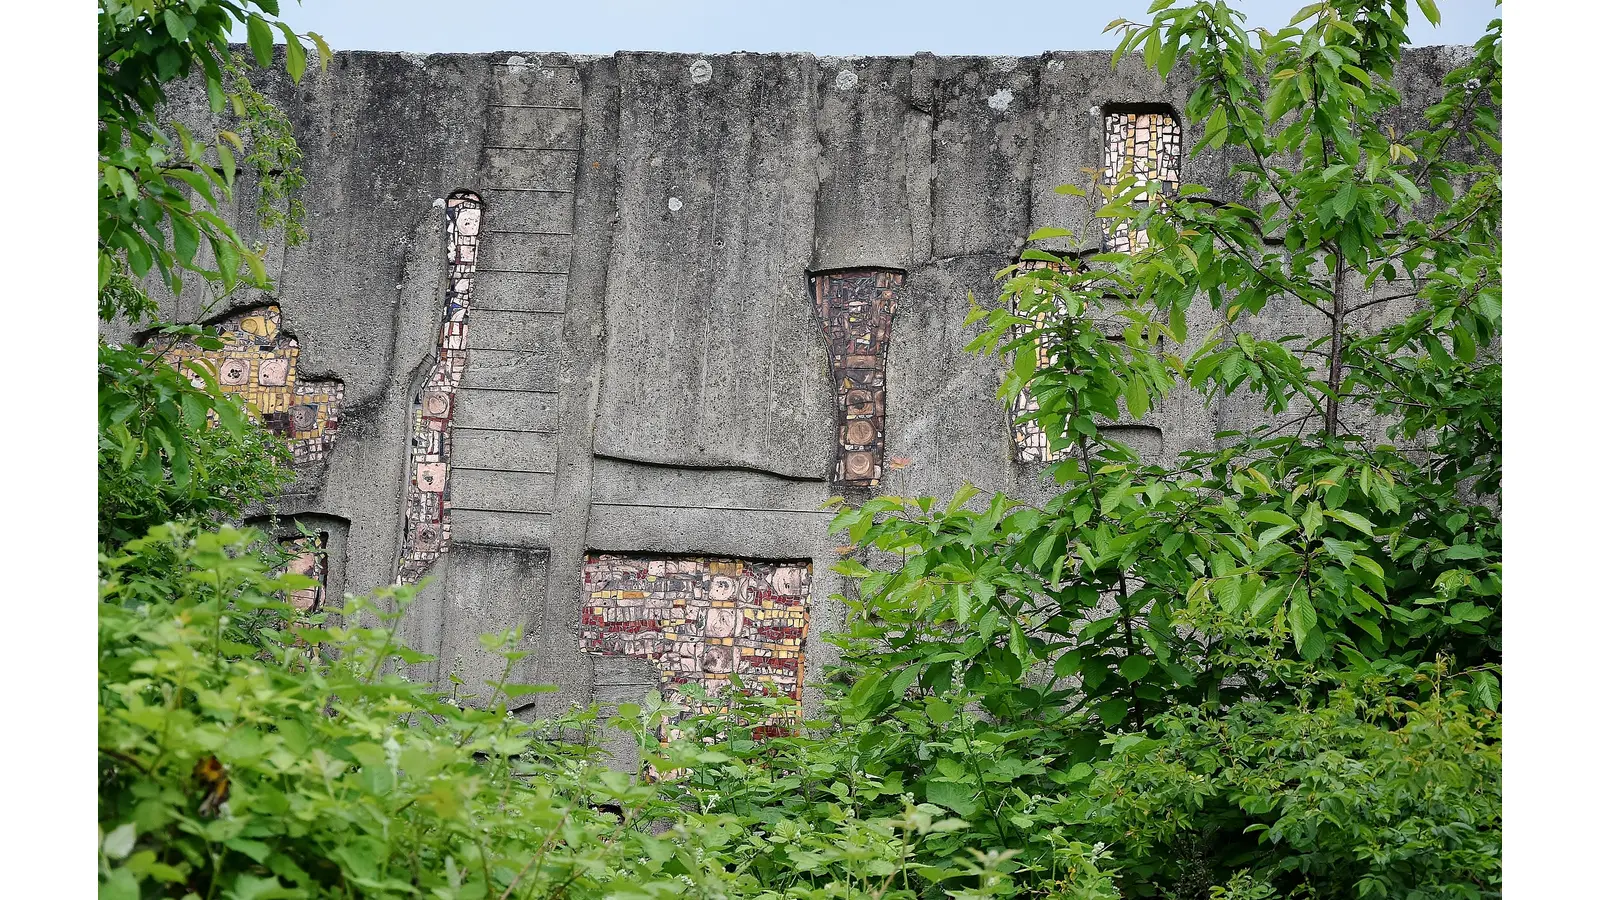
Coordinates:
x,y
1273,668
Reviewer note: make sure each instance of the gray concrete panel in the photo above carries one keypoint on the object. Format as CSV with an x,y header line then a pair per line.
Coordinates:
x,y
505,410
713,355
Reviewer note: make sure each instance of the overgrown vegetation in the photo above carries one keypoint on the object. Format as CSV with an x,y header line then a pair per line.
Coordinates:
x,y
160,190
1269,671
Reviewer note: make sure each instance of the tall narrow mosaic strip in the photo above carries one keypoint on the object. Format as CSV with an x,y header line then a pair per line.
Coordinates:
x,y
1032,444
1148,146
857,309
260,364
701,620
427,533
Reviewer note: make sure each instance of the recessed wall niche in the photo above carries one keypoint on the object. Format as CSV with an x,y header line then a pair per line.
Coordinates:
x,y
427,512
316,547
701,620
259,363
856,307
1032,444
1147,143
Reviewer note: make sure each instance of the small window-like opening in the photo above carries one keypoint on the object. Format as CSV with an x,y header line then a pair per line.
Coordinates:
x,y
1146,142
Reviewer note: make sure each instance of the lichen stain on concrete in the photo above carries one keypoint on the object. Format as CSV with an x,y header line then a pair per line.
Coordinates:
x,y
1000,100
846,80
700,71
674,204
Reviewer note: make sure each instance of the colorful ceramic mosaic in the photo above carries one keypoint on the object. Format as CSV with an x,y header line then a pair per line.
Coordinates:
x,y
310,560
260,364
427,534
857,309
1032,445
1148,146
701,620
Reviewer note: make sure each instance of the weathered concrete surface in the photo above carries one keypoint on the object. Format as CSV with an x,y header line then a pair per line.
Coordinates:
x,y
646,372
711,354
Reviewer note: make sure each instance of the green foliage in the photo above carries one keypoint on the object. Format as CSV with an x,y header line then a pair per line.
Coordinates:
x,y
160,189
1367,795
286,760
174,450
250,751
1272,669
150,174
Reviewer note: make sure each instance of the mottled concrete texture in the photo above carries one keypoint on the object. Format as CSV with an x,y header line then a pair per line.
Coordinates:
x,y
647,373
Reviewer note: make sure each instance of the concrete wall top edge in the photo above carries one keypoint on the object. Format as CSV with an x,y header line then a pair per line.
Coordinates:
x,y
550,57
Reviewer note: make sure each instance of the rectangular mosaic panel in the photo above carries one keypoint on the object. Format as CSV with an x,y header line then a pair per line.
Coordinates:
x,y
260,364
1148,146
427,525
701,620
857,310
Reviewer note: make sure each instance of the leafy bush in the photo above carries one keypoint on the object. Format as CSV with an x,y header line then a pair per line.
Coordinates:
x,y
172,450
250,751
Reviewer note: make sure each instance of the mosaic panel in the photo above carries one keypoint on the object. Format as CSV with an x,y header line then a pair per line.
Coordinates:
x,y
311,560
259,363
857,309
701,620
1032,445
1147,145
427,532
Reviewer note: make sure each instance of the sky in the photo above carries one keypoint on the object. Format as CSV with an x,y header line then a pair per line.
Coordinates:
x,y
823,27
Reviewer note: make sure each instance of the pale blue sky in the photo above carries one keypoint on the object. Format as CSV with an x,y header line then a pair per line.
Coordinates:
x,y
824,27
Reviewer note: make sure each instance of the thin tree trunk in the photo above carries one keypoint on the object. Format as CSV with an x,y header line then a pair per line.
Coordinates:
x,y
1330,410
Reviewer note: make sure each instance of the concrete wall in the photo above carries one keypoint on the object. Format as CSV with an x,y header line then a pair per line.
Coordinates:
x,y
647,373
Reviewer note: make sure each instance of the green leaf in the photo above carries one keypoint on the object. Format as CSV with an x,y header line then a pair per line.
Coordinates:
x,y
185,237
939,712
119,843
229,167
963,604
904,680
849,568
1113,711
958,798
122,885
294,53
1353,519
1431,10
1262,514
1302,617
175,25
323,53
962,495
1343,551
1134,668
1138,398
1267,601
259,35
